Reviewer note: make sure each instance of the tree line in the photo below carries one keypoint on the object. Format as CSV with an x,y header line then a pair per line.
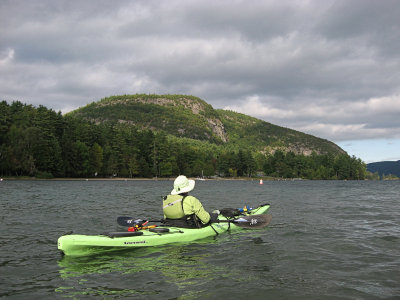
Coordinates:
x,y
39,142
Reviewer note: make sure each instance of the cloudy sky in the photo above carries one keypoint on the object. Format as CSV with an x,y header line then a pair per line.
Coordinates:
x,y
327,68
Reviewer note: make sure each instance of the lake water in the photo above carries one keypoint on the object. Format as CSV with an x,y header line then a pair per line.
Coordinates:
x,y
327,240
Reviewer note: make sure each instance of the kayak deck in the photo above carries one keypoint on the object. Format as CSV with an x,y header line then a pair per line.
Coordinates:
x,y
82,245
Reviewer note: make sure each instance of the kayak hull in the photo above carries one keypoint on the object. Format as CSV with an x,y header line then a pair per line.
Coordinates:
x,y
83,245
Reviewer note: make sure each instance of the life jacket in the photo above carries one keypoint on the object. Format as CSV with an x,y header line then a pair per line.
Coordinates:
x,y
174,213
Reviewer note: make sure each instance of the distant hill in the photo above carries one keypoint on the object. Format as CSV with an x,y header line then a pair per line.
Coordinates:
x,y
385,167
191,117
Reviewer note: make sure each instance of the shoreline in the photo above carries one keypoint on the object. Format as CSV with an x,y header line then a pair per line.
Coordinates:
x,y
25,178
142,179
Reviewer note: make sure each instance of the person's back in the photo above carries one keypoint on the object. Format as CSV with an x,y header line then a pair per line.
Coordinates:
x,y
183,210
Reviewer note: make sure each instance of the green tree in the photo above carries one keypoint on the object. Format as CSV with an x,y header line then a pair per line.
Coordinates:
x,y
77,157
95,159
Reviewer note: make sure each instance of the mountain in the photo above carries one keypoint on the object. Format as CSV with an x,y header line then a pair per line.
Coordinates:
x,y
193,118
385,168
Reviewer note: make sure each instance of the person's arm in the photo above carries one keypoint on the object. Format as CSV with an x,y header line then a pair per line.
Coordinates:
x,y
191,205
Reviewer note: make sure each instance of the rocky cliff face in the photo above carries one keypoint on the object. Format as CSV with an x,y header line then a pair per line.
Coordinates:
x,y
196,106
218,129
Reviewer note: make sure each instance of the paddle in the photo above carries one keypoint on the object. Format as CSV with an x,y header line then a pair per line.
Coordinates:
x,y
129,221
252,222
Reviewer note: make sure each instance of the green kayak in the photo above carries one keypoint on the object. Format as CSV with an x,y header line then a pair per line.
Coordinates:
x,y
82,245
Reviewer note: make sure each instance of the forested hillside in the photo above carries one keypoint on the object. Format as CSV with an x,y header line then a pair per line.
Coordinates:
x,y
243,130
191,117
181,116
37,141
385,168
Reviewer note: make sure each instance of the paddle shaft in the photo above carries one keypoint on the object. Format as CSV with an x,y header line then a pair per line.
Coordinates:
x,y
256,221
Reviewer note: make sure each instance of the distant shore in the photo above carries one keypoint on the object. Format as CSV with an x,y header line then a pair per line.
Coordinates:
x,y
145,179
15,178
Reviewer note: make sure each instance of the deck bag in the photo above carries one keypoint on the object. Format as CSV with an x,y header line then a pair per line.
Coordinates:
x,y
229,212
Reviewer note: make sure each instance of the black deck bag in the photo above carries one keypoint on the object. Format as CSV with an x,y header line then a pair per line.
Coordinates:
x,y
229,212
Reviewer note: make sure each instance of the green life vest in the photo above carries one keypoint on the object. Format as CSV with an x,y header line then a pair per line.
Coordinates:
x,y
173,206
175,215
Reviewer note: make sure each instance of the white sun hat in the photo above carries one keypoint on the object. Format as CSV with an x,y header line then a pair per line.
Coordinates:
x,y
182,185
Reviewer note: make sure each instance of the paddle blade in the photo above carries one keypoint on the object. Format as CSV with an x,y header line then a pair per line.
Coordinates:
x,y
129,221
125,221
253,222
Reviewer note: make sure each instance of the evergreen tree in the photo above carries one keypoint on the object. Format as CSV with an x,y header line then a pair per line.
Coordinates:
x,y
95,159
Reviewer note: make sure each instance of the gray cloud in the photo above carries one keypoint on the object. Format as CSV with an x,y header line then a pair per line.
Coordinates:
x,y
329,68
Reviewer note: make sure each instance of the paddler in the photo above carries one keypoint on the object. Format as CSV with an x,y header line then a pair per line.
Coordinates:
x,y
182,210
